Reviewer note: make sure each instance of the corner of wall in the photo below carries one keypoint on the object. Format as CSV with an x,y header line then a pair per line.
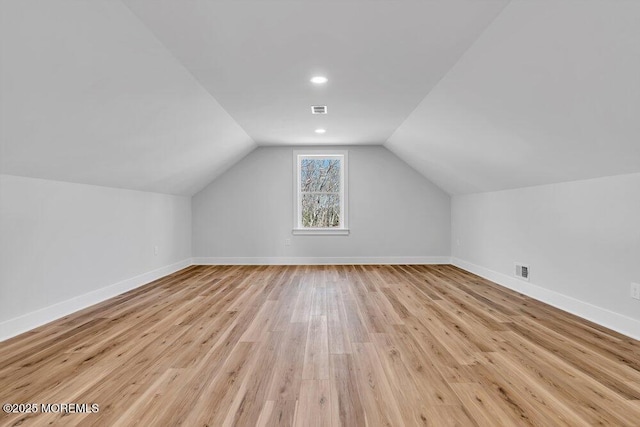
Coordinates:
x,y
12,327
609,319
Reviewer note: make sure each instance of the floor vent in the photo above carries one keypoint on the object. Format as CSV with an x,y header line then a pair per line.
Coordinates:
x,y
522,271
318,109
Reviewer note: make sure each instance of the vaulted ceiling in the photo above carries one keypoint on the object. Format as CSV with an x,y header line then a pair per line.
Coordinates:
x,y
550,92
256,59
89,95
164,95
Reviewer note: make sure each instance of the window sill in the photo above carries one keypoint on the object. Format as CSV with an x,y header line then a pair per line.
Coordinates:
x,y
320,232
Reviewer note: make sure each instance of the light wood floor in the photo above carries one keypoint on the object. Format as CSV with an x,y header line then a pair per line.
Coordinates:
x,y
324,345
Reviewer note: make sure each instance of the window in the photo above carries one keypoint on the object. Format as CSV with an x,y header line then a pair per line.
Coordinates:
x,y
320,192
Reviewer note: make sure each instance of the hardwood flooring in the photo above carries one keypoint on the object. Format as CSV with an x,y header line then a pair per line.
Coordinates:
x,y
323,345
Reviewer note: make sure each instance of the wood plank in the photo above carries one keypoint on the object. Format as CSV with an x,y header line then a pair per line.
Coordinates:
x,y
483,409
338,332
316,355
324,345
374,386
346,407
313,407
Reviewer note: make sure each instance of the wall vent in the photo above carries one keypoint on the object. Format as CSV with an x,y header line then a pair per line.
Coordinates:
x,y
318,109
522,271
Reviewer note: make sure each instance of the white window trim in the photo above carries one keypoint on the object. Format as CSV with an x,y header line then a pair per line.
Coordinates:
x,y
343,230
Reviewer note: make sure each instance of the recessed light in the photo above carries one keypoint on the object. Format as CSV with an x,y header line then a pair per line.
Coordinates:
x,y
321,130
319,80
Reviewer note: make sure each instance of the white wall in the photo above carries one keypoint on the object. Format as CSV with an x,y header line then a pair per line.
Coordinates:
x,y
581,240
63,243
393,212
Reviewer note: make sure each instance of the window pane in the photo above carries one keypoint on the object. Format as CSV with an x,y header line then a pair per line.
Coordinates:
x,y
320,210
320,175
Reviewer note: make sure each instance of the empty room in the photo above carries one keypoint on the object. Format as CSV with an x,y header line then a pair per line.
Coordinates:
x,y
320,213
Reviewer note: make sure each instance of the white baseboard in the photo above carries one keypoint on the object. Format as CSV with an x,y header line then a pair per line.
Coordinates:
x,y
320,260
609,319
623,324
12,327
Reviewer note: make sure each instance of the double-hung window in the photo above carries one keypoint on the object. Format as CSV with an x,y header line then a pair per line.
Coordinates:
x,y
320,192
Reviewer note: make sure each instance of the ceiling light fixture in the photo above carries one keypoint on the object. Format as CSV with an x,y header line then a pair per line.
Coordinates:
x,y
321,130
319,80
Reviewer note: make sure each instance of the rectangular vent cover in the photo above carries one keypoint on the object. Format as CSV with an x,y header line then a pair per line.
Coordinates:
x,y
318,109
522,271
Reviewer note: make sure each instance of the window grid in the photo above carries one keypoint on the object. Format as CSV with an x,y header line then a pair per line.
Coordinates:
x,y
299,226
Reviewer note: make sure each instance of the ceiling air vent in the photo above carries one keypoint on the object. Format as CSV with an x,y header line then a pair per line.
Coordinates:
x,y
318,109
522,271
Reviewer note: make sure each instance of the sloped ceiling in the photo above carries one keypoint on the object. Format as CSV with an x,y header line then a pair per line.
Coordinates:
x,y
550,92
88,95
256,59
164,95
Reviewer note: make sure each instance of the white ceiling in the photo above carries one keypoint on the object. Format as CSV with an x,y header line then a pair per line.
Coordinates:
x,y
256,59
550,92
164,95
88,95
